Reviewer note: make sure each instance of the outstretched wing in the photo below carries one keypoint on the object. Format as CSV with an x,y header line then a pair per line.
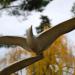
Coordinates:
x,y
14,40
16,66
45,39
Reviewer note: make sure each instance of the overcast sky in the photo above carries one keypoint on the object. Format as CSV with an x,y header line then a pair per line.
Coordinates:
x,y
58,11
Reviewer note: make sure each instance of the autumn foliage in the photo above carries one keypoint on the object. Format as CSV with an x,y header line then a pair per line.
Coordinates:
x,y
58,60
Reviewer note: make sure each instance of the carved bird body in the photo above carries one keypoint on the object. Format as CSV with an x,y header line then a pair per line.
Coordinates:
x,y
43,40
36,44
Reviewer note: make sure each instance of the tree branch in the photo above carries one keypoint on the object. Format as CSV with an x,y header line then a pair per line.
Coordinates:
x,y
7,7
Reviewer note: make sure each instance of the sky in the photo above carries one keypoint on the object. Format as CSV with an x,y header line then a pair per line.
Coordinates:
x,y
58,11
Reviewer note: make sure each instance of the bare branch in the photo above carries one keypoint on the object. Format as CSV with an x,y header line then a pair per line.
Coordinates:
x,y
7,7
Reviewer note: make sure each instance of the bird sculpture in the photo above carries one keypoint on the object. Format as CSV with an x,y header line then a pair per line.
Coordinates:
x,y
43,40
37,44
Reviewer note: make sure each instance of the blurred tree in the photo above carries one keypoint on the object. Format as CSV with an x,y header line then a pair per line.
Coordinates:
x,y
73,10
23,5
44,24
12,56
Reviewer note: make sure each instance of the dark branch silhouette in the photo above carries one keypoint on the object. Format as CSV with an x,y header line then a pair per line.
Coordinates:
x,y
15,6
